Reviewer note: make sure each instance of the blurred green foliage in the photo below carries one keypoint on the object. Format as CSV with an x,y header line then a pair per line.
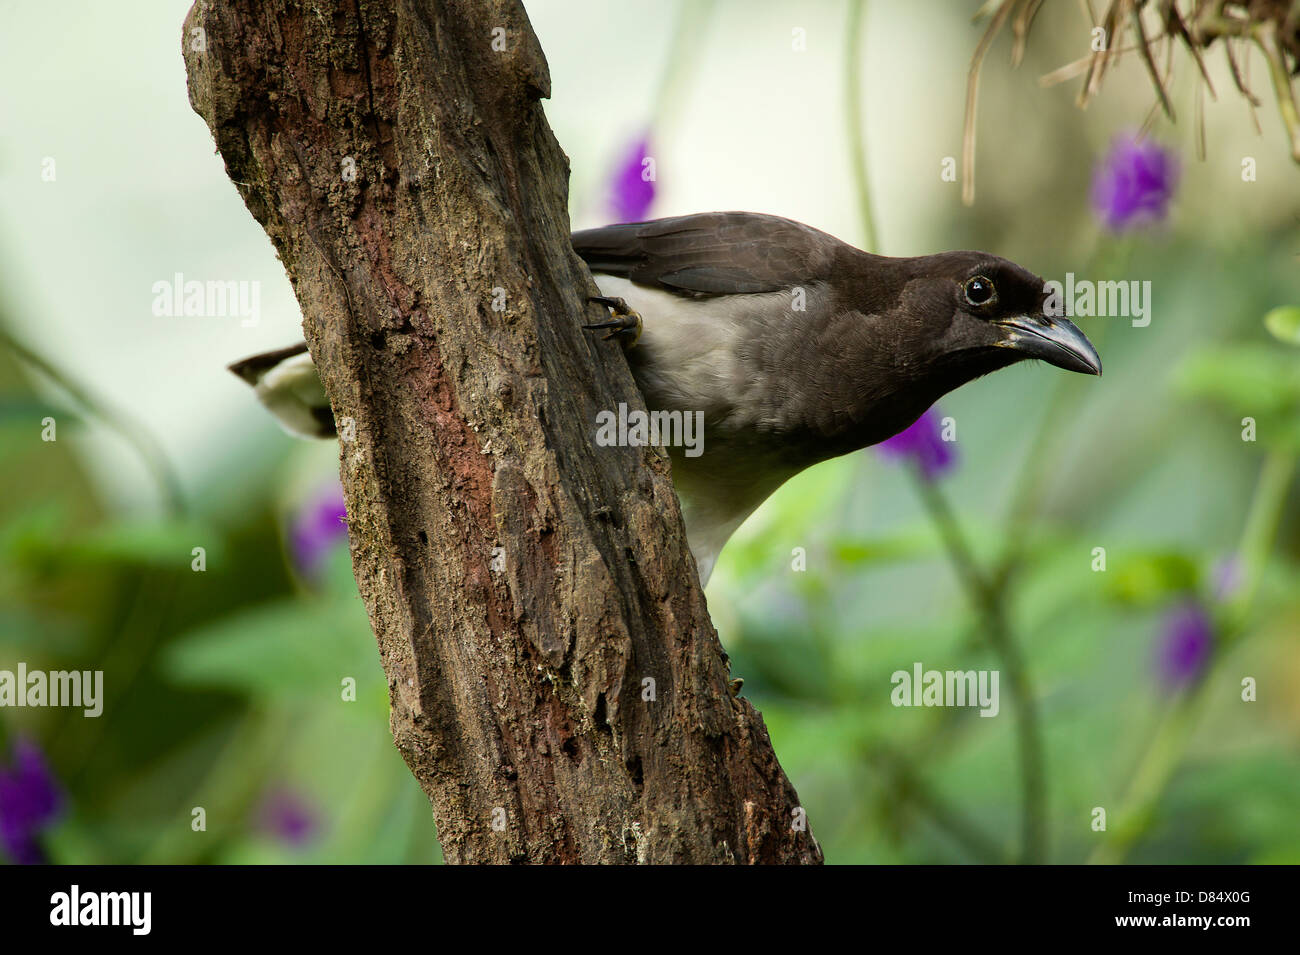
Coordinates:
x,y
222,687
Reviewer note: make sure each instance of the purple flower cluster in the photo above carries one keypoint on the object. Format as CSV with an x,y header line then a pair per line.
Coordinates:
x,y
288,817
318,527
1185,645
632,192
1133,183
922,445
30,800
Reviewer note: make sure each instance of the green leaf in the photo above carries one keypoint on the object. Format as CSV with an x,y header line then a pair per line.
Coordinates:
x,y
26,533
44,536
1283,323
48,632
1251,379
152,543
908,545
289,647
1260,382
26,411
1151,577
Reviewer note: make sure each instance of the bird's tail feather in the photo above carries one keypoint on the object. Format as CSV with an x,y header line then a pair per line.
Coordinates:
x,y
286,383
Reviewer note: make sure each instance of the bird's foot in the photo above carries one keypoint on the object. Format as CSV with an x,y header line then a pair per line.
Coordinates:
x,y
626,324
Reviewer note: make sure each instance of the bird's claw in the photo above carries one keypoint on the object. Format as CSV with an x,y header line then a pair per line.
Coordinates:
x,y
626,324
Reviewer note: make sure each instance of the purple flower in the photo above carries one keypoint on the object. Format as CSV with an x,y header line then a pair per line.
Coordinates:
x,y
30,799
287,816
633,184
1133,184
922,444
318,527
1185,644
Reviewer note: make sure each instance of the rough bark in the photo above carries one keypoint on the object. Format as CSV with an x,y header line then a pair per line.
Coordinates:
x,y
442,304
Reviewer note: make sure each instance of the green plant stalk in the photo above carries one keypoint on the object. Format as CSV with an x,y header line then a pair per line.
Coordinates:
x,y
1258,533
1167,747
1149,780
853,106
946,818
688,31
133,432
228,786
124,656
1043,455
989,601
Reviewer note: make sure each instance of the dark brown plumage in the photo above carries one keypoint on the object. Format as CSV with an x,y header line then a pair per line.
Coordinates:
x,y
795,347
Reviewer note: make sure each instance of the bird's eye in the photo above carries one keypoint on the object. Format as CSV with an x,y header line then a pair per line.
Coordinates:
x,y
979,290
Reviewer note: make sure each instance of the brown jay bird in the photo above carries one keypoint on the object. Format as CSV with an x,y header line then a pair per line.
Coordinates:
x,y
793,346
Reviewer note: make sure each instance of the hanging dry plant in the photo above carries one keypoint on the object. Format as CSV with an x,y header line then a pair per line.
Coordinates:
x,y
1272,26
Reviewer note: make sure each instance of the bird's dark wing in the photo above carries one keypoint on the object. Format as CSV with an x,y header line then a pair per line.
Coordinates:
x,y
712,253
252,369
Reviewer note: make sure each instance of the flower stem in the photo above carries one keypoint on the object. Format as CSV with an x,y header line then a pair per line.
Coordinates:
x,y
946,818
1149,780
1044,449
989,601
1259,530
134,433
853,57
683,54
1174,732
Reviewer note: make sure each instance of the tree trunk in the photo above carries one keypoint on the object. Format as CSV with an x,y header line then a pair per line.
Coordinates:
x,y
556,685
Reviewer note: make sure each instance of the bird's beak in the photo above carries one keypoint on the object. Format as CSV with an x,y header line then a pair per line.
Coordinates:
x,y
1055,340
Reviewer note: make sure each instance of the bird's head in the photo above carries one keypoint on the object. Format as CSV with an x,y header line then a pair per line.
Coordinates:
x,y
977,313
908,331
